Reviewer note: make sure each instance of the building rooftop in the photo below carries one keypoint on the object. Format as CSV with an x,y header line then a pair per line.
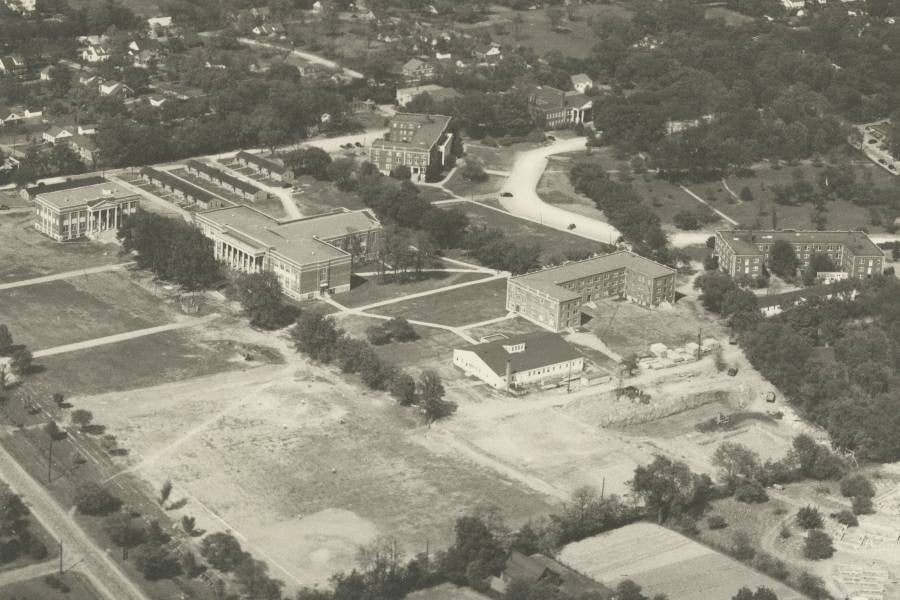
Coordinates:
x,y
300,240
46,188
70,197
261,161
744,241
537,568
176,183
222,176
581,78
414,131
540,349
550,280
551,98
437,92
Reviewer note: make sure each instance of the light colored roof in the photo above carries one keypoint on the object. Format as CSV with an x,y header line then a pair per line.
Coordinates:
x,y
299,240
581,78
437,92
88,194
550,280
744,241
541,349
426,131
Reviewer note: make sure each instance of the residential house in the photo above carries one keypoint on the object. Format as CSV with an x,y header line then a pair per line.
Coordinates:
x,y
488,53
156,100
55,134
267,167
436,92
184,190
417,70
540,569
95,53
23,7
775,304
12,65
85,147
790,5
45,73
581,83
556,109
87,129
160,27
245,189
677,126
19,114
420,142
520,361
115,89
552,298
746,252
362,106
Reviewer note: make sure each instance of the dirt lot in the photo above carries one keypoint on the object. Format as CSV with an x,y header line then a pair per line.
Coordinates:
x,y
79,589
369,289
665,562
471,304
80,308
25,253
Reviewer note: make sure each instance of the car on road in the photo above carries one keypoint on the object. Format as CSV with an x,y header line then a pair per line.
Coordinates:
x,y
882,161
770,396
873,141
892,167
550,138
4,207
571,226
506,194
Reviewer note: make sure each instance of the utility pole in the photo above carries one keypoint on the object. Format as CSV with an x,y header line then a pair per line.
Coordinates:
x,y
699,342
602,488
60,557
50,461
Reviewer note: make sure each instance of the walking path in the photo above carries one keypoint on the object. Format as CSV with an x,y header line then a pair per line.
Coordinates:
x,y
367,307
30,572
121,337
65,275
99,568
707,204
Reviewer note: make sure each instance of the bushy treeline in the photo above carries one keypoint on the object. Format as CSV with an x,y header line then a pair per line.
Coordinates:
x,y
172,249
16,537
623,208
318,337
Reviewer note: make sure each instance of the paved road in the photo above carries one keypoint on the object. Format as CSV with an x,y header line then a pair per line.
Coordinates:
x,y
99,568
522,184
121,337
307,56
65,275
30,572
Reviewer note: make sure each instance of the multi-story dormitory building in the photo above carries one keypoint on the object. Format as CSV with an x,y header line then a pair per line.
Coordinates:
x,y
745,252
552,298
420,142
310,256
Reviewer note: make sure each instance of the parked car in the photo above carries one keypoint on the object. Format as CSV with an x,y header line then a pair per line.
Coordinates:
x,y
732,371
882,161
4,207
506,194
550,138
770,396
357,144
571,226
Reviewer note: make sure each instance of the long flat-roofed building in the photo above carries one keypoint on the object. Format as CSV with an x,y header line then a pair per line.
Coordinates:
x,y
552,297
744,252
69,211
420,142
310,256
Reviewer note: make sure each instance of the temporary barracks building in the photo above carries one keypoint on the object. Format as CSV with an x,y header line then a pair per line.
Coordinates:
x,y
244,189
310,256
184,189
552,297
69,212
520,360
265,166
745,252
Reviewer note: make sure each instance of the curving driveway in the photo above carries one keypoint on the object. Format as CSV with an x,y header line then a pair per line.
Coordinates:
x,y
522,184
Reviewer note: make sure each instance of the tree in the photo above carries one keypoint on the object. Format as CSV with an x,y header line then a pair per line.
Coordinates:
x,y
6,338
124,532
474,171
687,220
746,195
856,484
742,546
818,545
554,16
93,499
475,553
431,397
735,462
809,517
21,361
155,562
818,263
165,491
82,418
862,505
222,551
188,523
400,330
310,160
260,295
761,593
403,388
714,286
669,488
750,492
401,172
783,259
316,335
13,513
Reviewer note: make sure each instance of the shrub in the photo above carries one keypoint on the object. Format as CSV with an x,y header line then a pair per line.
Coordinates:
x,y
856,484
862,505
812,586
818,545
37,550
716,522
771,566
92,499
750,492
809,517
785,532
846,517
686,220
378,336
222,551
742,546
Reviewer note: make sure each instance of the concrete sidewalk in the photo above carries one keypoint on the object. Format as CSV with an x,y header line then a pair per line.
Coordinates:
x,y
65,275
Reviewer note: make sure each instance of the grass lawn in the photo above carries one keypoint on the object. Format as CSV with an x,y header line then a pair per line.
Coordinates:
x,y
367,290
459,186
553,241
470,304
314,197
754,519
499,158
25,253
433,194
81,308
33,589
13,200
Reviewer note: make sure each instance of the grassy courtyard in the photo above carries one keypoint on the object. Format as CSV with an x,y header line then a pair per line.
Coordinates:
x,y
470,304
370,289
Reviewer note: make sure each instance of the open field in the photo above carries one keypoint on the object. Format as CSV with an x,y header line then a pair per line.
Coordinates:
x,y
25,253
369,289
553,241
470,304
314,197
665,562
13,200
753,519
303,465
37,589
459,186
81,308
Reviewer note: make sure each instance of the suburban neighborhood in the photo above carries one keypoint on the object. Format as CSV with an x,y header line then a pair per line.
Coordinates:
x,y
386,300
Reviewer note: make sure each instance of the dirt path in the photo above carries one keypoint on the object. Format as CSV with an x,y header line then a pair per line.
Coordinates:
x,y
121,337
307,56
708,205
99,568
65,275
30,572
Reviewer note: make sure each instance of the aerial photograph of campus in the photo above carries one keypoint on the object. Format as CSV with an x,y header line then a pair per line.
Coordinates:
x,y
449,300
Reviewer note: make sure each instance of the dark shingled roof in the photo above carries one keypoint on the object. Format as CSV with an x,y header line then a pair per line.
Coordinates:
x,y
69,184
541,349
262,162
222,176
538,567
176,183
